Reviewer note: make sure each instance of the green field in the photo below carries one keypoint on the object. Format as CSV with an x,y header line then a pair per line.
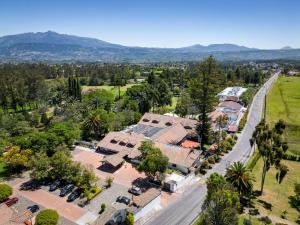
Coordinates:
x,y
277,194
113,89
283,102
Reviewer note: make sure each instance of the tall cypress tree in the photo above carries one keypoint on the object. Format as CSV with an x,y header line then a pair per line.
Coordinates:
x,y
203,90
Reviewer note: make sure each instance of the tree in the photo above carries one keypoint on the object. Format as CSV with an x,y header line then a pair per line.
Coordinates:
x,y
60,166
47,217
39,165
153,162
203,90
5,192
240,178
221,123
221,203
184,105
97,123
270,147
17,159
109,180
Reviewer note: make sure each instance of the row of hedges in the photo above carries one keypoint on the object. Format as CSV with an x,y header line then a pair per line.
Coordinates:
x,y
291,157
243,121
92,193
254,160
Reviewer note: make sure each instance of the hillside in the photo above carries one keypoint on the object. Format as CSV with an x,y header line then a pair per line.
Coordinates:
x,y
51,46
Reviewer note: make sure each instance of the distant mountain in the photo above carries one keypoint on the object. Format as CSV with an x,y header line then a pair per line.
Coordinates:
x,y
286,48
54,47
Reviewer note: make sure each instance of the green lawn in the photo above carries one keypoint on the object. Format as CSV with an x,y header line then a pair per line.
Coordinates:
x,y
283,102
277,194
113,89
253,220
3,170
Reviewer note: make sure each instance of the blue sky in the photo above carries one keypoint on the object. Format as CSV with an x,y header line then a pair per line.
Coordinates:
x,y
264,24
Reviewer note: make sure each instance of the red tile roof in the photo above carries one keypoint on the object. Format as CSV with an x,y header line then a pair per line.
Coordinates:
x,y
189,144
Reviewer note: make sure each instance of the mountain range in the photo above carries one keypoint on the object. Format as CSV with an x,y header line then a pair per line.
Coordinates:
x,y
54,47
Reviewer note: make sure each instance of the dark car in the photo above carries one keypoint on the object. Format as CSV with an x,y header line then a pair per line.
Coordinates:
x,y
54,185
33,208
66,190
135,190
11,201
30,185
123,199
75,194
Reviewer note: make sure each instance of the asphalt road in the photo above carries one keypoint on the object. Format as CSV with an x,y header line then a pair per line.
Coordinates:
x,y
187,207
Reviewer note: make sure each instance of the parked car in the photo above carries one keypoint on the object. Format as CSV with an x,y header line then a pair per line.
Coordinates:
x,y
123,199
75,194
54,185
66,190
135,190
11,201
33,208
30,185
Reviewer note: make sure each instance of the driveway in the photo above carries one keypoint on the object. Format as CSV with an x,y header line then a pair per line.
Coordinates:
x,y
123,176
187,207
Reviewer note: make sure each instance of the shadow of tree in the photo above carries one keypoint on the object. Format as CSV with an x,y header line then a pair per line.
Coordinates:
x,y
265,204
294,202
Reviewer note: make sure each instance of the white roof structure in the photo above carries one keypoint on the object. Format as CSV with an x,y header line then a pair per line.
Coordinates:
x,y
231,92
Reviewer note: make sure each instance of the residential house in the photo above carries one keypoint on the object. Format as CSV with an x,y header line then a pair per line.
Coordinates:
x,y
175,136
230,93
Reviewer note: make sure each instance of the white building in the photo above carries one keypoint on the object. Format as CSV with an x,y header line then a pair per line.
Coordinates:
x,y
231,92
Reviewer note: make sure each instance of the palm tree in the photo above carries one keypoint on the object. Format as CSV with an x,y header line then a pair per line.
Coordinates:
x,y
240,178
93,123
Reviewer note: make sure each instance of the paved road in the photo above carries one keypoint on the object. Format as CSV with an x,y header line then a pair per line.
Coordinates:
x,y
186,208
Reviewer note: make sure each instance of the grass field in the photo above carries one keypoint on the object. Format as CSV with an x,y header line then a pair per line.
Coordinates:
x,y
113,89
283,102
277,194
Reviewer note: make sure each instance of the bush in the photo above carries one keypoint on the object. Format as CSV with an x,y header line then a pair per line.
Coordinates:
x,y
205,164
211,160
129,219
235,137
225,146
5,192
47,217
265,220
230,140
103,207
217,158
109,181
92,193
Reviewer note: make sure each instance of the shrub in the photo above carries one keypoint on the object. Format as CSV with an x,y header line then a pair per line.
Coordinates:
x,y
235,137
129,219
265,220
47,217
217,158
230,140
247,222
109,181
103,207
205,164
211,160
284,214
92,193
225,145
5,192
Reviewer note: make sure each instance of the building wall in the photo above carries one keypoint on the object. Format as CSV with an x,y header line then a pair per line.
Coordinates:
x,y
183,169
149,207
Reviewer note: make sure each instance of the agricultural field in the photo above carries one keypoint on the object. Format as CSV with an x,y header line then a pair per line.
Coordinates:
x,y
113,89
283,101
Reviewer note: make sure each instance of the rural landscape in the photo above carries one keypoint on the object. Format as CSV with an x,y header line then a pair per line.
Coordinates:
x,y
156,130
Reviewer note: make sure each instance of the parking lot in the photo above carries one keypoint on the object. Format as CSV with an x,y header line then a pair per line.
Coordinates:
x,y
45,199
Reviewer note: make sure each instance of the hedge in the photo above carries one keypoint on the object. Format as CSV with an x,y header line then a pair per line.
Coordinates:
x,y
5,192
47,217
92,193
